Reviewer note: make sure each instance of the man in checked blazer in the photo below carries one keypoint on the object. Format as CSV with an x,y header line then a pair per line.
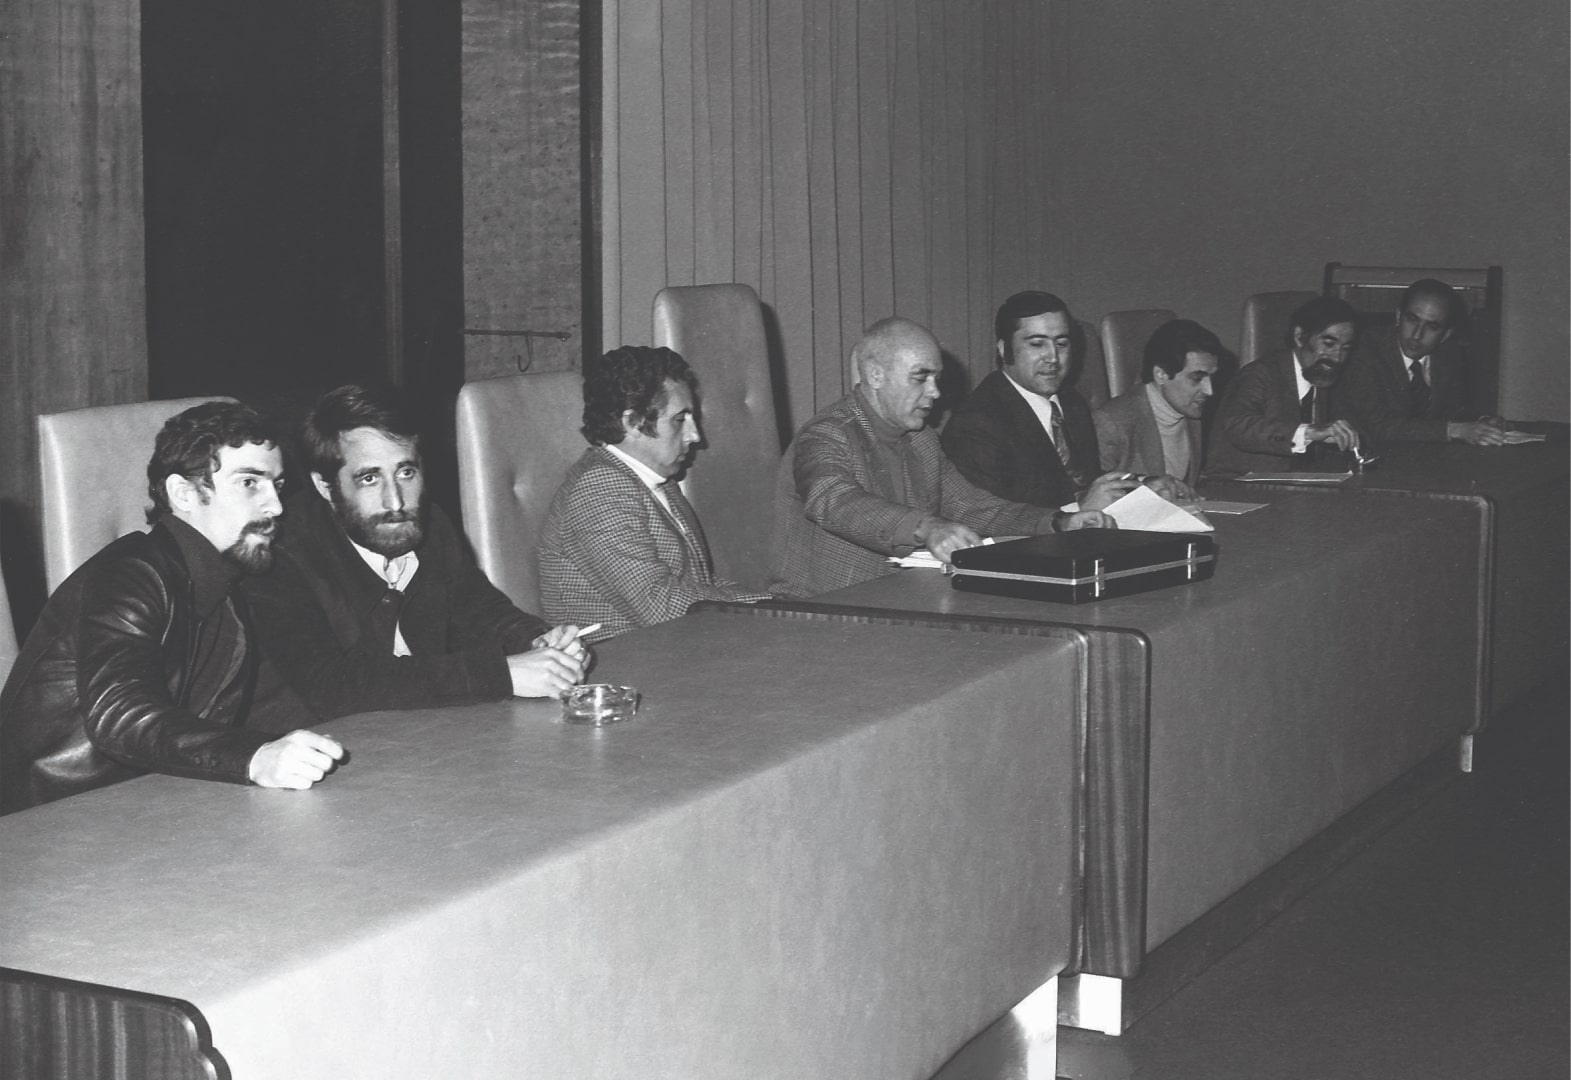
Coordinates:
x,y
621,545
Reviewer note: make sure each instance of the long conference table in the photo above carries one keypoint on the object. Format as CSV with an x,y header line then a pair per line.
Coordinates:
x,y
815,852
1247,730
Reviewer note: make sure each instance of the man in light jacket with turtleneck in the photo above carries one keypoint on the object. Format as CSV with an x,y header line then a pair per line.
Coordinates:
x,y
1155,427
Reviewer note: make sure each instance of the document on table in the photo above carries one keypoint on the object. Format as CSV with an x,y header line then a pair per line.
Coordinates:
x,y
926,560
1294,478
1223,506
1143,508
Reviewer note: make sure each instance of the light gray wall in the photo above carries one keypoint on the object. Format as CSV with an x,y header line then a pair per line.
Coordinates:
x,y
1217,148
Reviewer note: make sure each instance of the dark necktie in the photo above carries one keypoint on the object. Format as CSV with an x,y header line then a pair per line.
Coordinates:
x,y
1056,430
1418,389
1310,408
682,510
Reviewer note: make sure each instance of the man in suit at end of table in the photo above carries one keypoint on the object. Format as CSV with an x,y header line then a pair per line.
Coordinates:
x,y
144,658
1023,434
621,545
374,601
1277,413
866,478
1155,427
1408,382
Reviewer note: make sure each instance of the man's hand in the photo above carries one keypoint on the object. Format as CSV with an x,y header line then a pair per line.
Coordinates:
x,y
545,671
1172,489
944,538
1337,431
1485,432
1107,489
1084,519
565,638
295,761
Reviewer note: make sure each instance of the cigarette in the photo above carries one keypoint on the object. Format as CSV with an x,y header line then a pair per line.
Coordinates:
x,y
585,631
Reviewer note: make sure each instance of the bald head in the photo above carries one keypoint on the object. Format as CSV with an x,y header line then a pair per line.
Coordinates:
x,y
899,362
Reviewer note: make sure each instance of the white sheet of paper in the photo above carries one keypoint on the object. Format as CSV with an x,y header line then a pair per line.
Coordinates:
x,y
1224,506
1143,508
1294,478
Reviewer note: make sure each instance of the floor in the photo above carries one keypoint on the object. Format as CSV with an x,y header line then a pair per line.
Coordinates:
x,y
1440,951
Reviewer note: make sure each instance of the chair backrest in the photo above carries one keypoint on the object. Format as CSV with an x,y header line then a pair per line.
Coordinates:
x,y
1375,290
517,437
1091,371
1265,322
9,647
1124,337
93,464
719,330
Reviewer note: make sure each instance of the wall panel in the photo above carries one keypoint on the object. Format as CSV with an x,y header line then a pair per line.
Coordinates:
x,y
840,160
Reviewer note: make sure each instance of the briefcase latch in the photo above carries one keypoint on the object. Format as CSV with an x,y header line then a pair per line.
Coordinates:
x,y
1192,561
1098,580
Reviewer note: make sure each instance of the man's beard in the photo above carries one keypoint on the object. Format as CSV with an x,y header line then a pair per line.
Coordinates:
x,y
390,533
1321,374
253,558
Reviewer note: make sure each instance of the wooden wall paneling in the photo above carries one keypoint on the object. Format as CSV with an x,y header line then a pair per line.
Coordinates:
x,y
72,287
747,151
678,92
522,170
790,223
873,34
827,358
719,228
846,104
909,252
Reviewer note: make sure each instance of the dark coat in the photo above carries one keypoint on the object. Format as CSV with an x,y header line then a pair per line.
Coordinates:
x,y
102,690
998,444
1375,390
321,614
1258,418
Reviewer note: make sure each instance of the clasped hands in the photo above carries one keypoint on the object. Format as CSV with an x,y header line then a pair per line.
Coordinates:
x,y
555,663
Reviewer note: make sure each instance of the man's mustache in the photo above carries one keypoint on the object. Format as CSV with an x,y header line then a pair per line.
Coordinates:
x,y
261,527
394,517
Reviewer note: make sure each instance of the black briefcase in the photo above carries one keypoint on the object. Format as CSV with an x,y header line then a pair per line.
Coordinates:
x,y
1087,564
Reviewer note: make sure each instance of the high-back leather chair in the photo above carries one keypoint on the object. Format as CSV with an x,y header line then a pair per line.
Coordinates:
x,y
1265,322
1091,367
719,330
93,464
9,646
1124,337
517,437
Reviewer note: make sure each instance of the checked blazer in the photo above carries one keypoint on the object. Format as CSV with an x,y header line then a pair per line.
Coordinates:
x,y
610,553
836,514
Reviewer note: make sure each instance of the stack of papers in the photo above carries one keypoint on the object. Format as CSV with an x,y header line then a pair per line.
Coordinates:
x,y
1143,508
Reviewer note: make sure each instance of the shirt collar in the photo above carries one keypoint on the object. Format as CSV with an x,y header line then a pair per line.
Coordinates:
x,y
1304,385
211,573
396,572
883,430
651,479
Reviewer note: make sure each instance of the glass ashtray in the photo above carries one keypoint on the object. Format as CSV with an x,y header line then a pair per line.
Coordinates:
x,y
599,704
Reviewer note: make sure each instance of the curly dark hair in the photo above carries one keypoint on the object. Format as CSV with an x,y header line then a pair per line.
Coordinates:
x,y
345,409
189,442
1315,315
630,378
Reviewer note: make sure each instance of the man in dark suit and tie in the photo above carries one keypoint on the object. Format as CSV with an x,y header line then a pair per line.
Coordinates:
x,y
1023,434
621,545
1408,382
1277,413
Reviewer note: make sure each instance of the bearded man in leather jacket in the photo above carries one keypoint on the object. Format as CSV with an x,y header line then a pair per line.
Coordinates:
x,y
144,659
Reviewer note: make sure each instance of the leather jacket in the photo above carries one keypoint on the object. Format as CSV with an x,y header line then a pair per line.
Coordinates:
x,y
101,691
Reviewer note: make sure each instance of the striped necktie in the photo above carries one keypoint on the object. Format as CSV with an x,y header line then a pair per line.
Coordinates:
x,y
682,510
1056,430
